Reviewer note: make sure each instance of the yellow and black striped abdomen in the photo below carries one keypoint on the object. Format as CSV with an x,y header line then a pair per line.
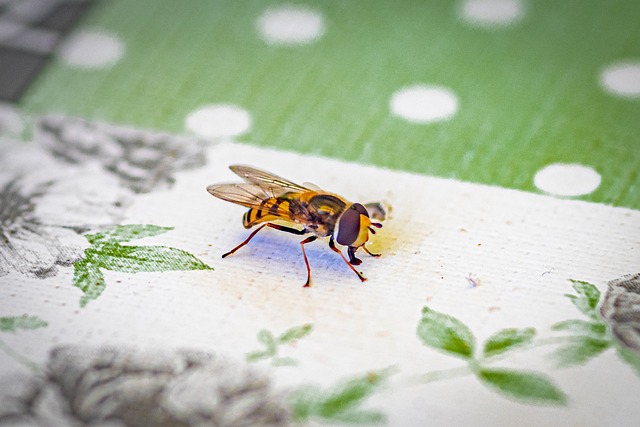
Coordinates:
x,y
270,209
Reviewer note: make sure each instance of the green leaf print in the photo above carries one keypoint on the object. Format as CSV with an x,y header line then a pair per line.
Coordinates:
x,y
137,259
587,298
295,333
272,345
89,279
629,356
12,324
522,385
592,337
266,338
445,333
254,356
126,233
106,253
284,361
341,404
581,327
579,350
507,339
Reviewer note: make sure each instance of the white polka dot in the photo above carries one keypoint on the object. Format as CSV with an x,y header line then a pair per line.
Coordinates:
x,y
218,121
566,179
91,49
290,25
622,79
10,120
424,104
488,13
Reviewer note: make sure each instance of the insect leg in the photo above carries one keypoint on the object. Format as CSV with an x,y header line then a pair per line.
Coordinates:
x,y
287,229
306,261
370,253
333,248
351,251
276,226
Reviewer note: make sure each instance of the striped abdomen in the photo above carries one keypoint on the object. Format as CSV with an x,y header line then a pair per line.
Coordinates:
x,y
317,212
270,209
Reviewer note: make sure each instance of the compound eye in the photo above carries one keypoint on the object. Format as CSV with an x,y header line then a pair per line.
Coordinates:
x,y
361,209
349,226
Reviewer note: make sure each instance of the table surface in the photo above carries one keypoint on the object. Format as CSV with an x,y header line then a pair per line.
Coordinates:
x,y
502,133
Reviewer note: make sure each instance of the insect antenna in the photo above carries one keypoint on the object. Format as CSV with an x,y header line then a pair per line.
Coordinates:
x,y
375,224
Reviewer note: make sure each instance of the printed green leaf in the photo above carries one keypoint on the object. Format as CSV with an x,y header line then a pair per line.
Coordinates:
x,y
580,350
254,356
521,385
107,253
266,338
126,233
360,417
507,339
271,343
12,324
137,259
445,333
284,361
347,396
630,357
89,279
581,327
587,298
341,404
306,402
295,333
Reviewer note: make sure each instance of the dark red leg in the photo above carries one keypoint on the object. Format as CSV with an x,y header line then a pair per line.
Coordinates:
x,y
333,248
306,261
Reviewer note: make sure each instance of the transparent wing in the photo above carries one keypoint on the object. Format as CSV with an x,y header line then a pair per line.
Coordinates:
x,y
253,196
270,184
248,195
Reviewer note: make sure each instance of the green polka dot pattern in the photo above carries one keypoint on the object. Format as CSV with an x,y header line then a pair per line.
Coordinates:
x,y
540,96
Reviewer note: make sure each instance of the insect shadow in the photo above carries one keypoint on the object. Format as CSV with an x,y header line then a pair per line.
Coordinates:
x,y
276,252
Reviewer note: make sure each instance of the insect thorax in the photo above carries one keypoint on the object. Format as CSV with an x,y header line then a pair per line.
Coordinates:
x,y
324,211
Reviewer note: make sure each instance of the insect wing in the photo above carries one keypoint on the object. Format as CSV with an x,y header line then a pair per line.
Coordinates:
x,y
248,195
272,185
252,196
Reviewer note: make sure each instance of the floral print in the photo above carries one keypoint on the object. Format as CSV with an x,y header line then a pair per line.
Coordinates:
x,y
92,385
142,160
44,205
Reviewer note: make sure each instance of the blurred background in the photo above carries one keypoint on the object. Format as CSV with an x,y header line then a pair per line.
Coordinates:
x,y
536,95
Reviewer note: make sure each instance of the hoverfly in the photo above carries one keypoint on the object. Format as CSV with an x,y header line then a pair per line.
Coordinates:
x,y
298,210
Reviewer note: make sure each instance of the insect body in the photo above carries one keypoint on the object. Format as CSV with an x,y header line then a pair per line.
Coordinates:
x,y
280,204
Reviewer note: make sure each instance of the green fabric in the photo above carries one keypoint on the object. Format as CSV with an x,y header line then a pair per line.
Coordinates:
x,y
529,93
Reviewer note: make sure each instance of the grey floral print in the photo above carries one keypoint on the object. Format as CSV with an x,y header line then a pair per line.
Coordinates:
x,y
621,310
142,160
25,244
121,386
76,176
44,205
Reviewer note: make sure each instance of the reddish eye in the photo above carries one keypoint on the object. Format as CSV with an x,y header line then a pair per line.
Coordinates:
x,y
349,226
